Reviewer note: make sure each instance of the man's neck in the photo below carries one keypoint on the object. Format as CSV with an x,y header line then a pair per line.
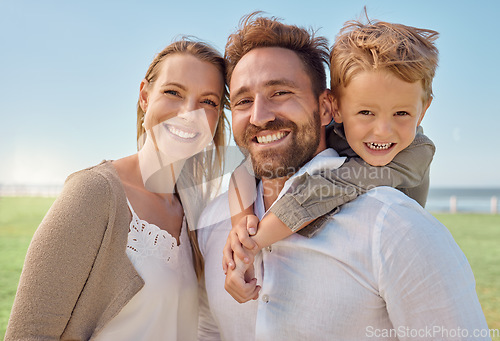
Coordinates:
x,y
271,190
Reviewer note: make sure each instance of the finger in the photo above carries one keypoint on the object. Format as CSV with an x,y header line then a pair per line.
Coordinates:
x,y
238,250
252,223
227,256
244,239
256,292
238,288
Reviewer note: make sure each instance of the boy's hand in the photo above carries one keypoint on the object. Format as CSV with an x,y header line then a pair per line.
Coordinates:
x,y
241,283
240,243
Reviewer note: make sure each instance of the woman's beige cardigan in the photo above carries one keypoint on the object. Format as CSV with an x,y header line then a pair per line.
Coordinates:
x,y
76,275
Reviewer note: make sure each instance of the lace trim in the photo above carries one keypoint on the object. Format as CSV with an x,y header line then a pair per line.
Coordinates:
x,y
148,240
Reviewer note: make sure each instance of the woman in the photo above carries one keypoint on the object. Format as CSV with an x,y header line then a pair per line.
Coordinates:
x,y
112,259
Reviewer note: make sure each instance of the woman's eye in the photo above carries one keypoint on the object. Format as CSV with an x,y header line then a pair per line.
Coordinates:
x,y
210,102
171,92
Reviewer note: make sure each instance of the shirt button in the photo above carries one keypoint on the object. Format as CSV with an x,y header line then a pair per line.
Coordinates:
x,y
265,298
269,249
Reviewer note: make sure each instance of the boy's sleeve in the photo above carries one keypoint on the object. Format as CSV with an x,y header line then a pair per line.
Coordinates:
x,y
312,196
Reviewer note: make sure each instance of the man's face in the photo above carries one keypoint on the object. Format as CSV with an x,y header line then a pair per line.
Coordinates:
x,y
276,117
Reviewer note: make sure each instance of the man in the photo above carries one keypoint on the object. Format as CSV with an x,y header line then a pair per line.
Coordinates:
x,y
382,267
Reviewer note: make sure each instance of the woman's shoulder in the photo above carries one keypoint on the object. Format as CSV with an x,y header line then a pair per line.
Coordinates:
x,y
95,177
96,185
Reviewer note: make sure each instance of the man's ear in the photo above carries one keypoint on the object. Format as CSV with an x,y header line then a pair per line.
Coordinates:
x,y
336,113
325,108
143,95
424,111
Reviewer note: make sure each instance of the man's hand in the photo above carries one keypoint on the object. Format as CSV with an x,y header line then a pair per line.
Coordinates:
x,y
241,283
240,243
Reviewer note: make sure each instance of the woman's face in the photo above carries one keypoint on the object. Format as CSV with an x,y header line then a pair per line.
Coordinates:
x,y
182,105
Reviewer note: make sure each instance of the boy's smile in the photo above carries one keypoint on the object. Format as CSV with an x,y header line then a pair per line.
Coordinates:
x,y
380,113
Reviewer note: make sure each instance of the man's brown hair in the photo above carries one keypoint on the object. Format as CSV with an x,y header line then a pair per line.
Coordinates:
x,y
256,32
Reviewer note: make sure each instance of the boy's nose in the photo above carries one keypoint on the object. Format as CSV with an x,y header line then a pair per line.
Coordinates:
x,y
382,128
261,112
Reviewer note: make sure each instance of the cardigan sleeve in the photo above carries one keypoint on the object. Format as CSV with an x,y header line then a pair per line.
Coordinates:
x,y
60,258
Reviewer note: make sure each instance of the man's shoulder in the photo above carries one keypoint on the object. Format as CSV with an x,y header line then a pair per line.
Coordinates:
x,y
395,210
215,217
215,212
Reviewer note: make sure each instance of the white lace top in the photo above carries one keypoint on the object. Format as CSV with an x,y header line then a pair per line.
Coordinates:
x,y
166,308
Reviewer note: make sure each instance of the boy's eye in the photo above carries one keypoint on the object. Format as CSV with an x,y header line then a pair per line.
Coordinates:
x,y
401,113
365,112
210,102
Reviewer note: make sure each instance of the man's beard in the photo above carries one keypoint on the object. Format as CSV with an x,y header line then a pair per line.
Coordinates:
x,y
281,162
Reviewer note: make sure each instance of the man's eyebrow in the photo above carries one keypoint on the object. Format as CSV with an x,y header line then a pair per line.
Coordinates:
x,y
282,81
240,91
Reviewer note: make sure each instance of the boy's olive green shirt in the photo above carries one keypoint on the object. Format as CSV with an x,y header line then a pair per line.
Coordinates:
x,y
76,275
312,196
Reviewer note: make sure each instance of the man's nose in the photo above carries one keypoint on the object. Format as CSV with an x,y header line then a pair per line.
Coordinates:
x,y
261,112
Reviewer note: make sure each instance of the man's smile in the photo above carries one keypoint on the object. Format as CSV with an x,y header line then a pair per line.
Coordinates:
x,y
269,137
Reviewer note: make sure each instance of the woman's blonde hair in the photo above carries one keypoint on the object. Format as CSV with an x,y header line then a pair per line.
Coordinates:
x,y
205,166
407,52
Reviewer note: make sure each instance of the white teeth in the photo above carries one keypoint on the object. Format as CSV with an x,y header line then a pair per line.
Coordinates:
x,y
379,146
270,138
181,133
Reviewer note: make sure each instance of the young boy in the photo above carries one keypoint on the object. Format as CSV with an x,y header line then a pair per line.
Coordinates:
x,y
381,81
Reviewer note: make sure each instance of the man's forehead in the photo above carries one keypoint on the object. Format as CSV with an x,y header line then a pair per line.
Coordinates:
x,y
268,66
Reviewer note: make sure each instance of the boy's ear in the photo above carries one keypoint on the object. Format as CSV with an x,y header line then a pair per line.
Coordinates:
x,y
325,108
424,111
335,107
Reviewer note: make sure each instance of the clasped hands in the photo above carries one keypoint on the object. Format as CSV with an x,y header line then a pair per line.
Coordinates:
x,y
240,281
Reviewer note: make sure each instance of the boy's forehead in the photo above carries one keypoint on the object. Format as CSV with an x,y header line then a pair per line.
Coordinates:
x,y
368,87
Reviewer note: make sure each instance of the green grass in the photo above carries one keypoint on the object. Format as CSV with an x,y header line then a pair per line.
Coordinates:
x,y
477,235
19,217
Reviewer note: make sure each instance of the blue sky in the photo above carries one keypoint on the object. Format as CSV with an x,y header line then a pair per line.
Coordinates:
x,y
71,70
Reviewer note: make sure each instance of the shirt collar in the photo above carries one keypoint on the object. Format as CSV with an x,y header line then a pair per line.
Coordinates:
x,y
327,159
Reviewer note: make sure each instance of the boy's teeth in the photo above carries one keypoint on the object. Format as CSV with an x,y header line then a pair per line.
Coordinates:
x,y
379,146
270,138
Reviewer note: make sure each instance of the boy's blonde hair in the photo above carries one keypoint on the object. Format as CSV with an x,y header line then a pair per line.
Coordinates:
x,y
407,52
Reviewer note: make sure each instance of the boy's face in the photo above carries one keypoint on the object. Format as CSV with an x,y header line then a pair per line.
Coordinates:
x,y
380,113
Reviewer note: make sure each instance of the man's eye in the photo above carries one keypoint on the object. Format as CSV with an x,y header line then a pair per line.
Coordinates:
x,y
210,102
243,102
281,93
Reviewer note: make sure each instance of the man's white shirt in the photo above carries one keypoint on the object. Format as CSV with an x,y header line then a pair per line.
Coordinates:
x,y
381,268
